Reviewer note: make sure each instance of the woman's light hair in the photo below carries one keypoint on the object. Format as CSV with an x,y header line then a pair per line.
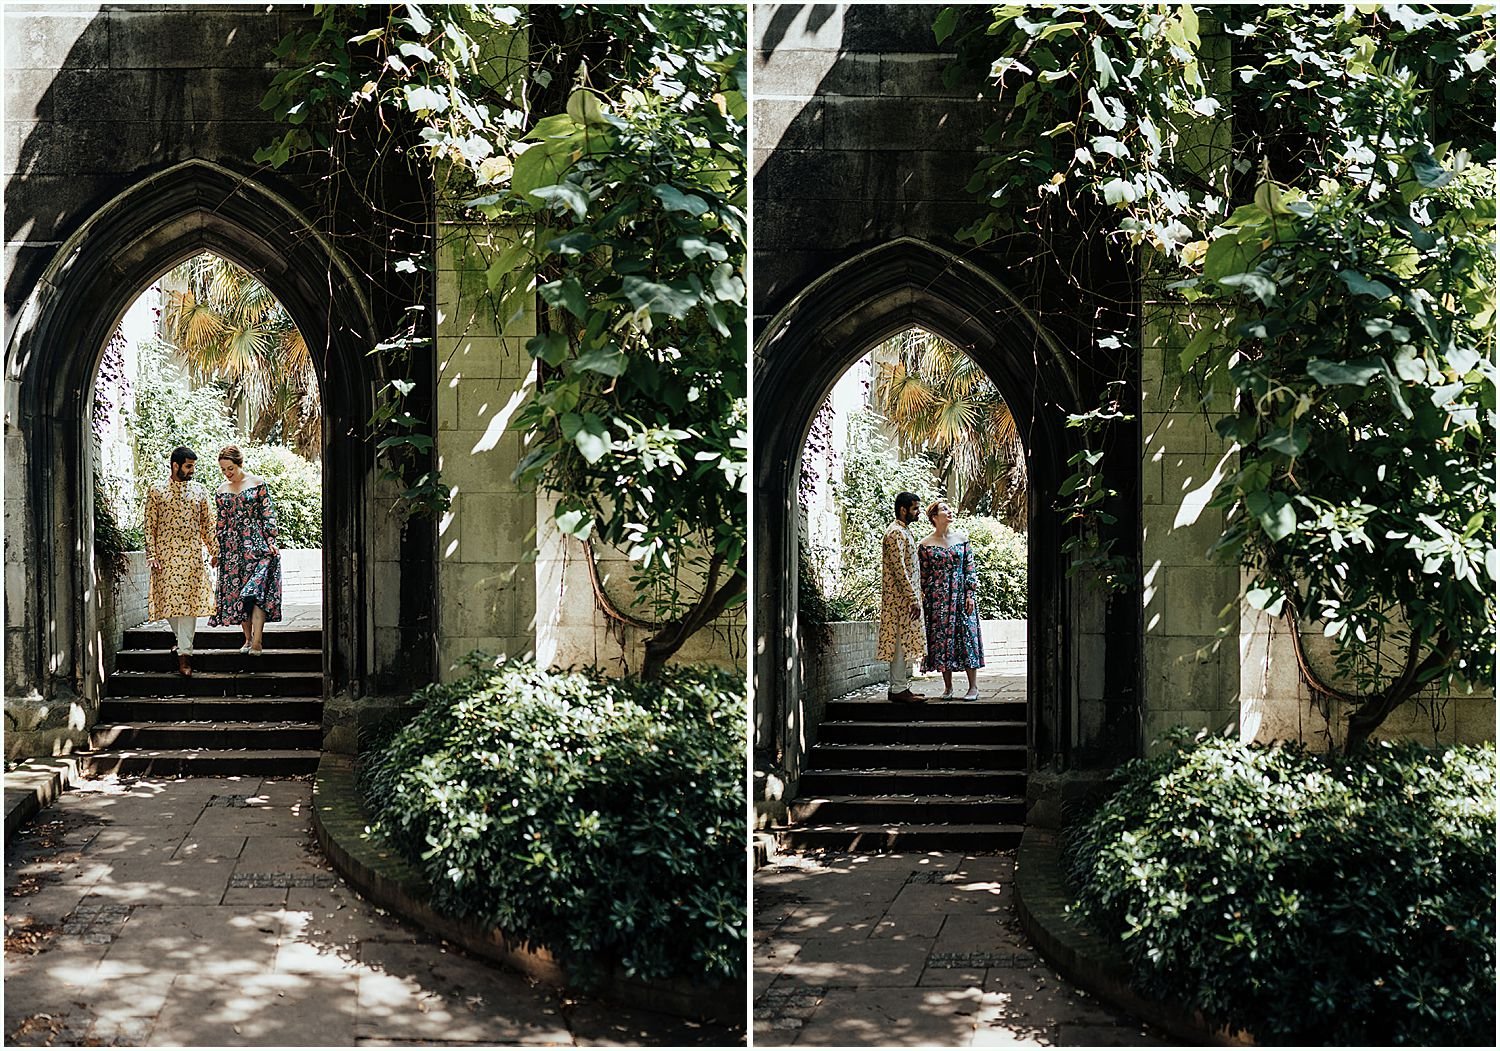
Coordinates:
x,y
233,455
933,507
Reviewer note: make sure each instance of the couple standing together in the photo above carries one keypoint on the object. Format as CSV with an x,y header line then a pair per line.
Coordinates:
x,y
240,537
928,603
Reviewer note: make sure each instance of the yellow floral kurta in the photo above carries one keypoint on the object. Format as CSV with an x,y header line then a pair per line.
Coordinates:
x,y
179,525
900,588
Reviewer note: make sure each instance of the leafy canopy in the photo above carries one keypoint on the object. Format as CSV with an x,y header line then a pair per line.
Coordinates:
x,y
607,178
1314,187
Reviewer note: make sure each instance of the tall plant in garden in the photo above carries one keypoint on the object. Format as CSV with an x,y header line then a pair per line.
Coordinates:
x,y
940,402
232,331
612,186
1333,259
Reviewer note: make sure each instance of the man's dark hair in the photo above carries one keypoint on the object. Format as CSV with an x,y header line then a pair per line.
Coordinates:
x,y
182,454
906,500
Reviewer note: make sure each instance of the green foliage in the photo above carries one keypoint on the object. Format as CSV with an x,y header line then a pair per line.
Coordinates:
x,y
169,412
874,473
623,210
1000,555
1347,901
1330,256
296,489
602,818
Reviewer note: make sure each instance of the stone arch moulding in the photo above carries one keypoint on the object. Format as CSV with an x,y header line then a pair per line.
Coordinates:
x,y
53,355
798,359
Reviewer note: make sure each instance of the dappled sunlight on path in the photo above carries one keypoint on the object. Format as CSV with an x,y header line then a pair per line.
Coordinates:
x,y
200,911
911,949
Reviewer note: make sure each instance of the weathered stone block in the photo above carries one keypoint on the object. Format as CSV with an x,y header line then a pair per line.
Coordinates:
x,y
885,124
890,27
47,207
799,73
69,37
495,526
1182,674
1195,599
920,76
789,123
1178,432
185,38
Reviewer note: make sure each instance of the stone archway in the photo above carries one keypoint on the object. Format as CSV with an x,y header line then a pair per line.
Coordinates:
x,y
799,357
51,363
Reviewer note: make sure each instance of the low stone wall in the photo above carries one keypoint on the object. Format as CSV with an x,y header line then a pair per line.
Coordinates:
x,y
301,585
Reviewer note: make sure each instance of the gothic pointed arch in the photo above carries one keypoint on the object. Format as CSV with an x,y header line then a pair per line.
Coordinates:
x,y
800,355
52,355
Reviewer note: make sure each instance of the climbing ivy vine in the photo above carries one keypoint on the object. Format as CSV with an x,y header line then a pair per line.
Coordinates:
x,y
593,158
1311,193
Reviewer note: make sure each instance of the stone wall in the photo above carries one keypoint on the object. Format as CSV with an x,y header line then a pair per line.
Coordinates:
x,y
857,140
1276,705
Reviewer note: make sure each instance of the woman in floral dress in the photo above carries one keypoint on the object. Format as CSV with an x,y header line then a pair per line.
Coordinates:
x,y
249,588
949,584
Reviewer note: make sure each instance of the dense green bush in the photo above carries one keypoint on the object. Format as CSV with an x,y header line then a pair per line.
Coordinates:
x,y
1000,556
1347,900
602,818
170,412
296,490
874,473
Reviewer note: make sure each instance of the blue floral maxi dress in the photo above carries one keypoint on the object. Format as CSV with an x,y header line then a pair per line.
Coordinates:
x,y
249,575
948,580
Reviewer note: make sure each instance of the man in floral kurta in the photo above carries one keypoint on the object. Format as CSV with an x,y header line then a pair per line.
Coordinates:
x,y
179,527
902,634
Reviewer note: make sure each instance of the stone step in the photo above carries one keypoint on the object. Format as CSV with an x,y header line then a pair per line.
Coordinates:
x,y
912,782
216,684
915,810
952,731
197,762
230,638
875,838
834,757
197,736
881,710
211,709
165,661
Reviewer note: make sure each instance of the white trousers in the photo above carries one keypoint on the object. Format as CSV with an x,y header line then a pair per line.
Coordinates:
x,y
184,627
900,671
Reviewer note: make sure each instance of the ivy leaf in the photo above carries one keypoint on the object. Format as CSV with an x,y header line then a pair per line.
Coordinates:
x,y
1268,600
1258,285
1356,373
694,245
421,99
572,244
568,294
726,284
609,360
563,196
1104,69
946,22
1274,512
1364,286
657,298
575,523
1290,442
550,347
674,200
1428,172
591,437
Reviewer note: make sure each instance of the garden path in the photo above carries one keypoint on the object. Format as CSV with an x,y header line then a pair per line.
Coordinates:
x,y
200,911
906,950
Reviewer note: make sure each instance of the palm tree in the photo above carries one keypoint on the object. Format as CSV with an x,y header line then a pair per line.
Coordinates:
x,y
234,333
939,402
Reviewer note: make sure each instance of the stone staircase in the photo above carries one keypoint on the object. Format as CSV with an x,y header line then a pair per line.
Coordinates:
x,y
237,714
944,775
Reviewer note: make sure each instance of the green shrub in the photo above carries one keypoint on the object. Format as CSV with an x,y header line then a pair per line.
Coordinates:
x,y
169,413
1346,900
601,818
296,491
1000,554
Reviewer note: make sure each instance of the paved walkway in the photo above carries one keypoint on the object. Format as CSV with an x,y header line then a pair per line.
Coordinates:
x,y
910,950
200,912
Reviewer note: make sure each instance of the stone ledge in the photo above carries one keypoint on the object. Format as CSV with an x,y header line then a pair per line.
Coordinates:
x,y
1083,955
378,872
34,784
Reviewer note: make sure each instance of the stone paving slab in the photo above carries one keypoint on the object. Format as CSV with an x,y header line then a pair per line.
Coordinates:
x,y
223,925
911,950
